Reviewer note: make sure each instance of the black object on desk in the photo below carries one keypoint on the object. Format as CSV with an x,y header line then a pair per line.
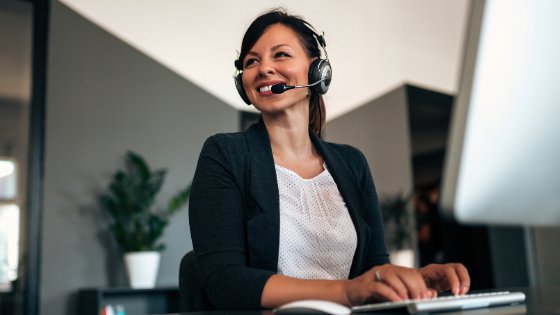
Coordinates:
x,y
135,301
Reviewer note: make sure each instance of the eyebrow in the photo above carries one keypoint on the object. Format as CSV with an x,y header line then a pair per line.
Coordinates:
x,y
252,53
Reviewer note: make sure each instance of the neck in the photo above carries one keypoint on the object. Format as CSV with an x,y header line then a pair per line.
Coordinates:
x,y
289,137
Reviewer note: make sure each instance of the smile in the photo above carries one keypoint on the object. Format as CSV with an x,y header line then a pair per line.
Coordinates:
x,y
265,88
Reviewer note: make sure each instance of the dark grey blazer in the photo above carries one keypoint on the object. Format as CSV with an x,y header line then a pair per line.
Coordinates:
x,y
234,213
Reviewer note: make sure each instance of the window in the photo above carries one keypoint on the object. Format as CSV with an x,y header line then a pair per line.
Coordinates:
x,y
9,223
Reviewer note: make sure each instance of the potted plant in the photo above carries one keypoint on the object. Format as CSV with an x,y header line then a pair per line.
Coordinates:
x,y
398,225
136,224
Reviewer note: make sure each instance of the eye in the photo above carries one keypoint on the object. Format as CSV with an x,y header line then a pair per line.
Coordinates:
x,y
249,62
281,54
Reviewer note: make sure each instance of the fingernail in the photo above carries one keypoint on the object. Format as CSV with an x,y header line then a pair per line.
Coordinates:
x,y
465,290
456,290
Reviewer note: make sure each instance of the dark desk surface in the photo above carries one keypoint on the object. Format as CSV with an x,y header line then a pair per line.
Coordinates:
x,y
539,301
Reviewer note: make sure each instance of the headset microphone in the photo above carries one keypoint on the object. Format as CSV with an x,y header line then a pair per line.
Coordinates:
x,y
281,88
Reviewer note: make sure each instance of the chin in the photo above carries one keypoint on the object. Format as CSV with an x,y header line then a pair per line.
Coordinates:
x,y
270,109
276,106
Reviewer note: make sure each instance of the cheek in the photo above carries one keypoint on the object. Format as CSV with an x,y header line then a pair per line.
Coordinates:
x,y
246,80
297,72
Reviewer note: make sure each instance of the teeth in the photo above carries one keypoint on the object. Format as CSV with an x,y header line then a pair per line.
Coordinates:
x,y
265,88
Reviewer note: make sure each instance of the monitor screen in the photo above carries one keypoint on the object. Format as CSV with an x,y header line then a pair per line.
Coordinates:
x,y
503,158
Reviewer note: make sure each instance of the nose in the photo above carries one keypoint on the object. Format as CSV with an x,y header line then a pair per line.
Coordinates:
x,y
266,67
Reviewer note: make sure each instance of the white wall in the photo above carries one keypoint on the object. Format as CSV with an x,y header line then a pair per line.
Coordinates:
x,y
374,46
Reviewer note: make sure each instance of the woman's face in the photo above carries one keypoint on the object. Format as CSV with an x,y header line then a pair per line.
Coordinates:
x,y
278,56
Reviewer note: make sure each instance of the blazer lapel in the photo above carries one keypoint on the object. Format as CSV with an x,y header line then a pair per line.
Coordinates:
x,y
351,193
263,228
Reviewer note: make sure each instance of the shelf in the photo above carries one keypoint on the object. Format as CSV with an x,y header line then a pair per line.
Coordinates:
x,y
135,301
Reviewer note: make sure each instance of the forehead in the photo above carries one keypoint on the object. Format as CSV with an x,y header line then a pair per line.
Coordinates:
x,y
278,34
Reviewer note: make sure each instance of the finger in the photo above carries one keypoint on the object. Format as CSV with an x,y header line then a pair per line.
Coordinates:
x,y
414,283
382,292
433,293
452,279
464,278
431,278
391,279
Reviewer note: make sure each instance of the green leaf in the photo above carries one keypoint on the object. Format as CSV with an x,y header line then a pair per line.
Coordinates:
x,y
397,221
129,201
137,165
110,205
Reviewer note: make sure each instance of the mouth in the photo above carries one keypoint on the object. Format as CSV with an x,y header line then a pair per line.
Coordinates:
x,y
265,87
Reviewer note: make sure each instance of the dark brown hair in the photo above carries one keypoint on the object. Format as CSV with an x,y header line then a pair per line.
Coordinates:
x,y
308,38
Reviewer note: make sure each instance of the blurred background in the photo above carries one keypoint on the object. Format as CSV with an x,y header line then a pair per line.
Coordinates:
x,y
82,81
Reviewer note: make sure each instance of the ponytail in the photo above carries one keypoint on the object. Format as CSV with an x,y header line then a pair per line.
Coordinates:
x,y
317,114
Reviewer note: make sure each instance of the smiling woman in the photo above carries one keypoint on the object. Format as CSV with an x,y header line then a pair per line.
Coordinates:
x,y
279,215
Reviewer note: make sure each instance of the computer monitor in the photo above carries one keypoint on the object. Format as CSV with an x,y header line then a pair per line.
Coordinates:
x,y
503,157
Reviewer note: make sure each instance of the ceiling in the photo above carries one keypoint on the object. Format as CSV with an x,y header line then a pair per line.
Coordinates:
x,y
373,46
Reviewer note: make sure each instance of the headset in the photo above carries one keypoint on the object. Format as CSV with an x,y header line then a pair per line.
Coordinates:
x,y
320,74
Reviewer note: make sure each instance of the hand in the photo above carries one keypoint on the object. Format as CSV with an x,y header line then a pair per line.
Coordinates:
x,y
453,277
387,283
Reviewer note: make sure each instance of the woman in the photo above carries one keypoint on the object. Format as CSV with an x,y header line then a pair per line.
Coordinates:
x,y
279,215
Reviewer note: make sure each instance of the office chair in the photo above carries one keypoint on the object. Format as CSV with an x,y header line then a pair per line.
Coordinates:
x,y
192,297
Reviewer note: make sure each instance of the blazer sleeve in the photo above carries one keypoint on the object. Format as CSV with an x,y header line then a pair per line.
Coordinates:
x,y
217,222
376,253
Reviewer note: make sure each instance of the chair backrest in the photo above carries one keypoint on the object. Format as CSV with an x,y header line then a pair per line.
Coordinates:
x,y
192,297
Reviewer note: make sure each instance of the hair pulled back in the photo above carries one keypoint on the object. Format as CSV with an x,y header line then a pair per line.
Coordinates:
x,y
308,38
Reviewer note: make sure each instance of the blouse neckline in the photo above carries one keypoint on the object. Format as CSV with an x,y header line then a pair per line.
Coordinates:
x,y
285,169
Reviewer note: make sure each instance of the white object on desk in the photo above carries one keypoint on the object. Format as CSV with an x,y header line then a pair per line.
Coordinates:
x,y
447,303
313,307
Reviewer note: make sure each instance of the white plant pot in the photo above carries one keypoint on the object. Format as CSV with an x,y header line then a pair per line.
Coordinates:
x,y
142,269
402,257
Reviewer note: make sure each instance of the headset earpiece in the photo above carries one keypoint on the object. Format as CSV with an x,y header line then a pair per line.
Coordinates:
x,y
320,69
239,86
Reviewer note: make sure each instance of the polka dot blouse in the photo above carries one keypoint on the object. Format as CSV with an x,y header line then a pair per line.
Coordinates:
x,y
317,236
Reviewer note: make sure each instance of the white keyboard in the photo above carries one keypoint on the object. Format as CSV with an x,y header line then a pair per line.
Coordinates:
x,y
446,303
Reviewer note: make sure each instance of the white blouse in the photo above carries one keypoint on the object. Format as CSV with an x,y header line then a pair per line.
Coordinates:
x,y
317,237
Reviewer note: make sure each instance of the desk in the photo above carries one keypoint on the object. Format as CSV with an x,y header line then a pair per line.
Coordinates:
x,y
539,301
